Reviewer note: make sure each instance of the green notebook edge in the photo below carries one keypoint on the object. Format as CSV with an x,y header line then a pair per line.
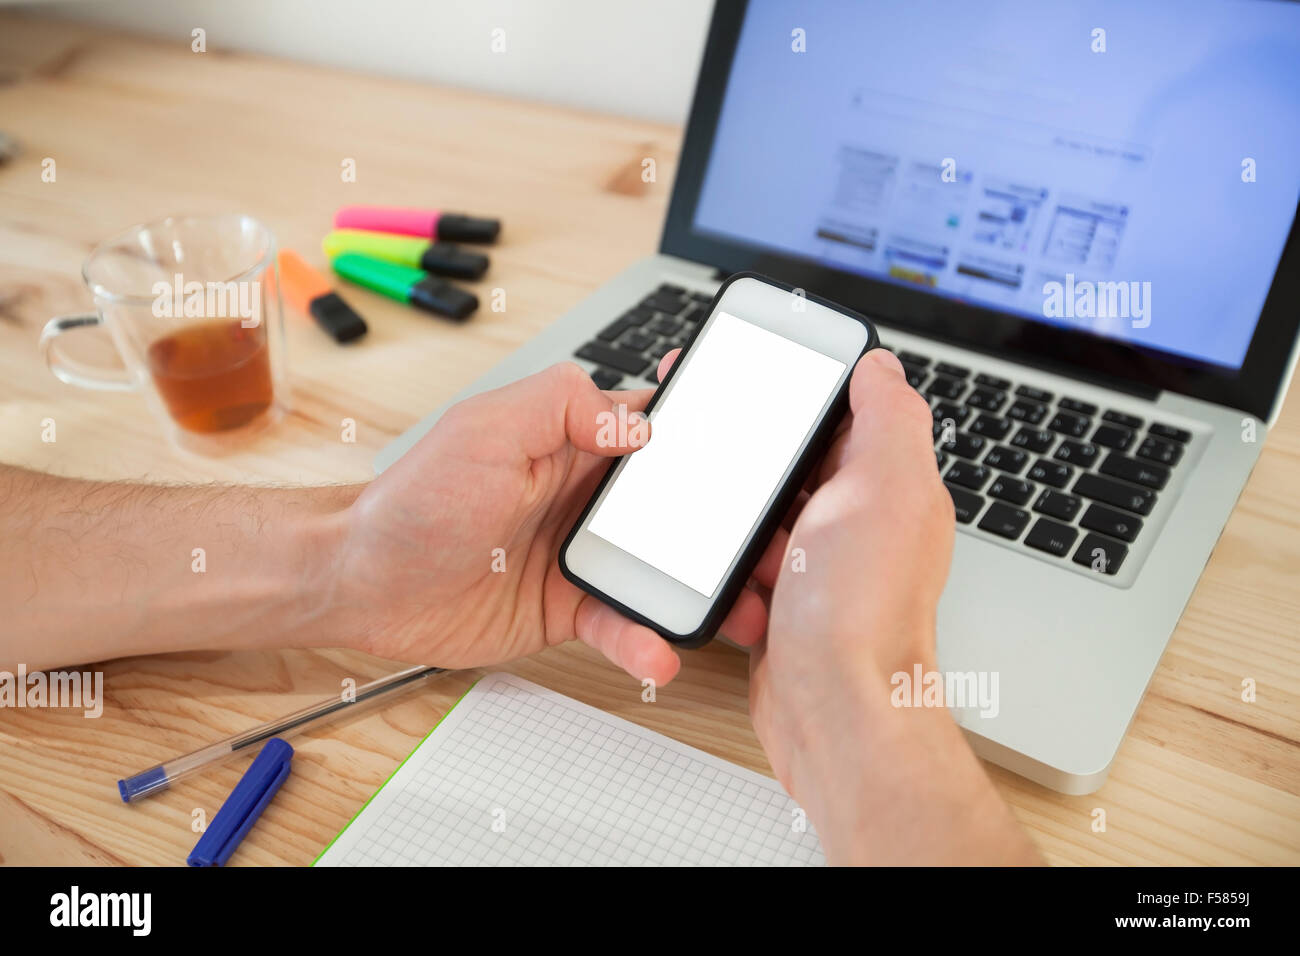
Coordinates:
x,y
395,769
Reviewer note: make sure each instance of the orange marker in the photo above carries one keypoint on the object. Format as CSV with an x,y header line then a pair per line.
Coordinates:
x,y
309,291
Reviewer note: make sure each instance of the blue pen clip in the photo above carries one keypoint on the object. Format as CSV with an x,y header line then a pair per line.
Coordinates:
x,y
244,805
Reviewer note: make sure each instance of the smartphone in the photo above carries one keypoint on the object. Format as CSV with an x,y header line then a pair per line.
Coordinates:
x,y
675,529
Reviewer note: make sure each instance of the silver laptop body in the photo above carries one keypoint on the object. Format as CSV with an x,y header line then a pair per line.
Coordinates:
x,y
1069,651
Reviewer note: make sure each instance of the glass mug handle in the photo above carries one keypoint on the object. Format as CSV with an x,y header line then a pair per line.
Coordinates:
x,y
79,373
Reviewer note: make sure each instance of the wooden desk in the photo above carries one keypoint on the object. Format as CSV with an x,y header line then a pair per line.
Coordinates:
x,y
144,128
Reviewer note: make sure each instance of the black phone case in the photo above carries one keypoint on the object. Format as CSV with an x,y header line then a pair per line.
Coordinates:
x,y
749,558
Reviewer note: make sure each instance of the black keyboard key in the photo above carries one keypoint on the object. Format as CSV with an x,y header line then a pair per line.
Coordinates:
x,y
1006,459
911,358
945,386
616,328
629,363
968,475
1101,554
1074,405
956,371
1015,490
1113,436
1169,431
986,399
1051,473
1051,536
665,326
1037,394
1076,453
967,504
940,459
1110,522
967,446
1129,497
1034,439
1030,412
1123,418
663,301
669,287
1067,423
699,298
992,381
994,429
693,314
1057,504
1138,472
638,340
915,376
1004,520
605,379
947,411
1160,450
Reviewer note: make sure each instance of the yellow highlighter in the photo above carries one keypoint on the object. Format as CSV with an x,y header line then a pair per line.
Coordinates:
x,y
435,258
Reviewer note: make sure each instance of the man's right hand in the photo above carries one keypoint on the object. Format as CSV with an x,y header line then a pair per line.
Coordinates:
x,y
853,605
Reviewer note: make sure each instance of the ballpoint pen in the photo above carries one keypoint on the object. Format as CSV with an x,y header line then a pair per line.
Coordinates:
x,y
163,775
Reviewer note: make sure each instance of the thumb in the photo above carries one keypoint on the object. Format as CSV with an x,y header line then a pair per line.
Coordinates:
x,y
562,405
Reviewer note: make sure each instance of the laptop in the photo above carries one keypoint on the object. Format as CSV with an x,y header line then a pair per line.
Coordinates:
x,y
1076,227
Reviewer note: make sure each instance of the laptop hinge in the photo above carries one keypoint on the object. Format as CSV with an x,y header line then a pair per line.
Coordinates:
x,y
1127,387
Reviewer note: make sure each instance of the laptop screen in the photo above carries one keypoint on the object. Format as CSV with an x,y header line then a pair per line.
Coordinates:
x,y
1126,169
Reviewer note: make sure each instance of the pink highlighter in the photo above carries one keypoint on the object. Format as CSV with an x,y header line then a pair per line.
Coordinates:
x,y
428,223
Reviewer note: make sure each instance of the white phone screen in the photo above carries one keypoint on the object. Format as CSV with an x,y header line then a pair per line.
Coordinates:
x,y
721,440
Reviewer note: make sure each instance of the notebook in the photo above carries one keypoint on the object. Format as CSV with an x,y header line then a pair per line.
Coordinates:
x,y
516,774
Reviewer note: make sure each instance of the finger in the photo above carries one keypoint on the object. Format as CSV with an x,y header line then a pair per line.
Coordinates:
x,y
769,565
636,399
792,515
667,362
562,405
875,370
746,622
843,427
635,648
834,459
887,411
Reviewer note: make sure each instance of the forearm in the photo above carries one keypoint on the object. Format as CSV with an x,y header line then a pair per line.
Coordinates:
x,y
902,786
93,570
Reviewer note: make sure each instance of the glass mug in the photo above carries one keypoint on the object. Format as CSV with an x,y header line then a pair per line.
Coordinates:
x,y
192,305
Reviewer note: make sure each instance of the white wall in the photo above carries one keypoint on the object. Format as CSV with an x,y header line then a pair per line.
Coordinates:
x,y
634,57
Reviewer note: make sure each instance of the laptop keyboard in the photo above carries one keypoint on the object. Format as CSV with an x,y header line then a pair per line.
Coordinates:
x,y
1054,474
632,345
1058,476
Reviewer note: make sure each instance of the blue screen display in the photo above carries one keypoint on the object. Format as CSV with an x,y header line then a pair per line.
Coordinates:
x,y
1129,169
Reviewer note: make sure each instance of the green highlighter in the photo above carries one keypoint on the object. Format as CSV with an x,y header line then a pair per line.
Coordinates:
x,y
435,258
405,284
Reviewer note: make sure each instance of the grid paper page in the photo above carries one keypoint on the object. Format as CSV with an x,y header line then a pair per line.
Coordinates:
x,y
518,775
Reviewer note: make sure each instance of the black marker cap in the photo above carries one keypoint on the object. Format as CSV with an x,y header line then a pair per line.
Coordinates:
x,y
449,259
442,297
337,318
455,227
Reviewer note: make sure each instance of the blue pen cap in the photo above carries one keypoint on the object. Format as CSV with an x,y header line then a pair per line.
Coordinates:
x,y
244,805
143,783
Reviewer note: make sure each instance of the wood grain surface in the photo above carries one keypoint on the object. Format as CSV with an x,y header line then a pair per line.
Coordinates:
x,y
142,128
